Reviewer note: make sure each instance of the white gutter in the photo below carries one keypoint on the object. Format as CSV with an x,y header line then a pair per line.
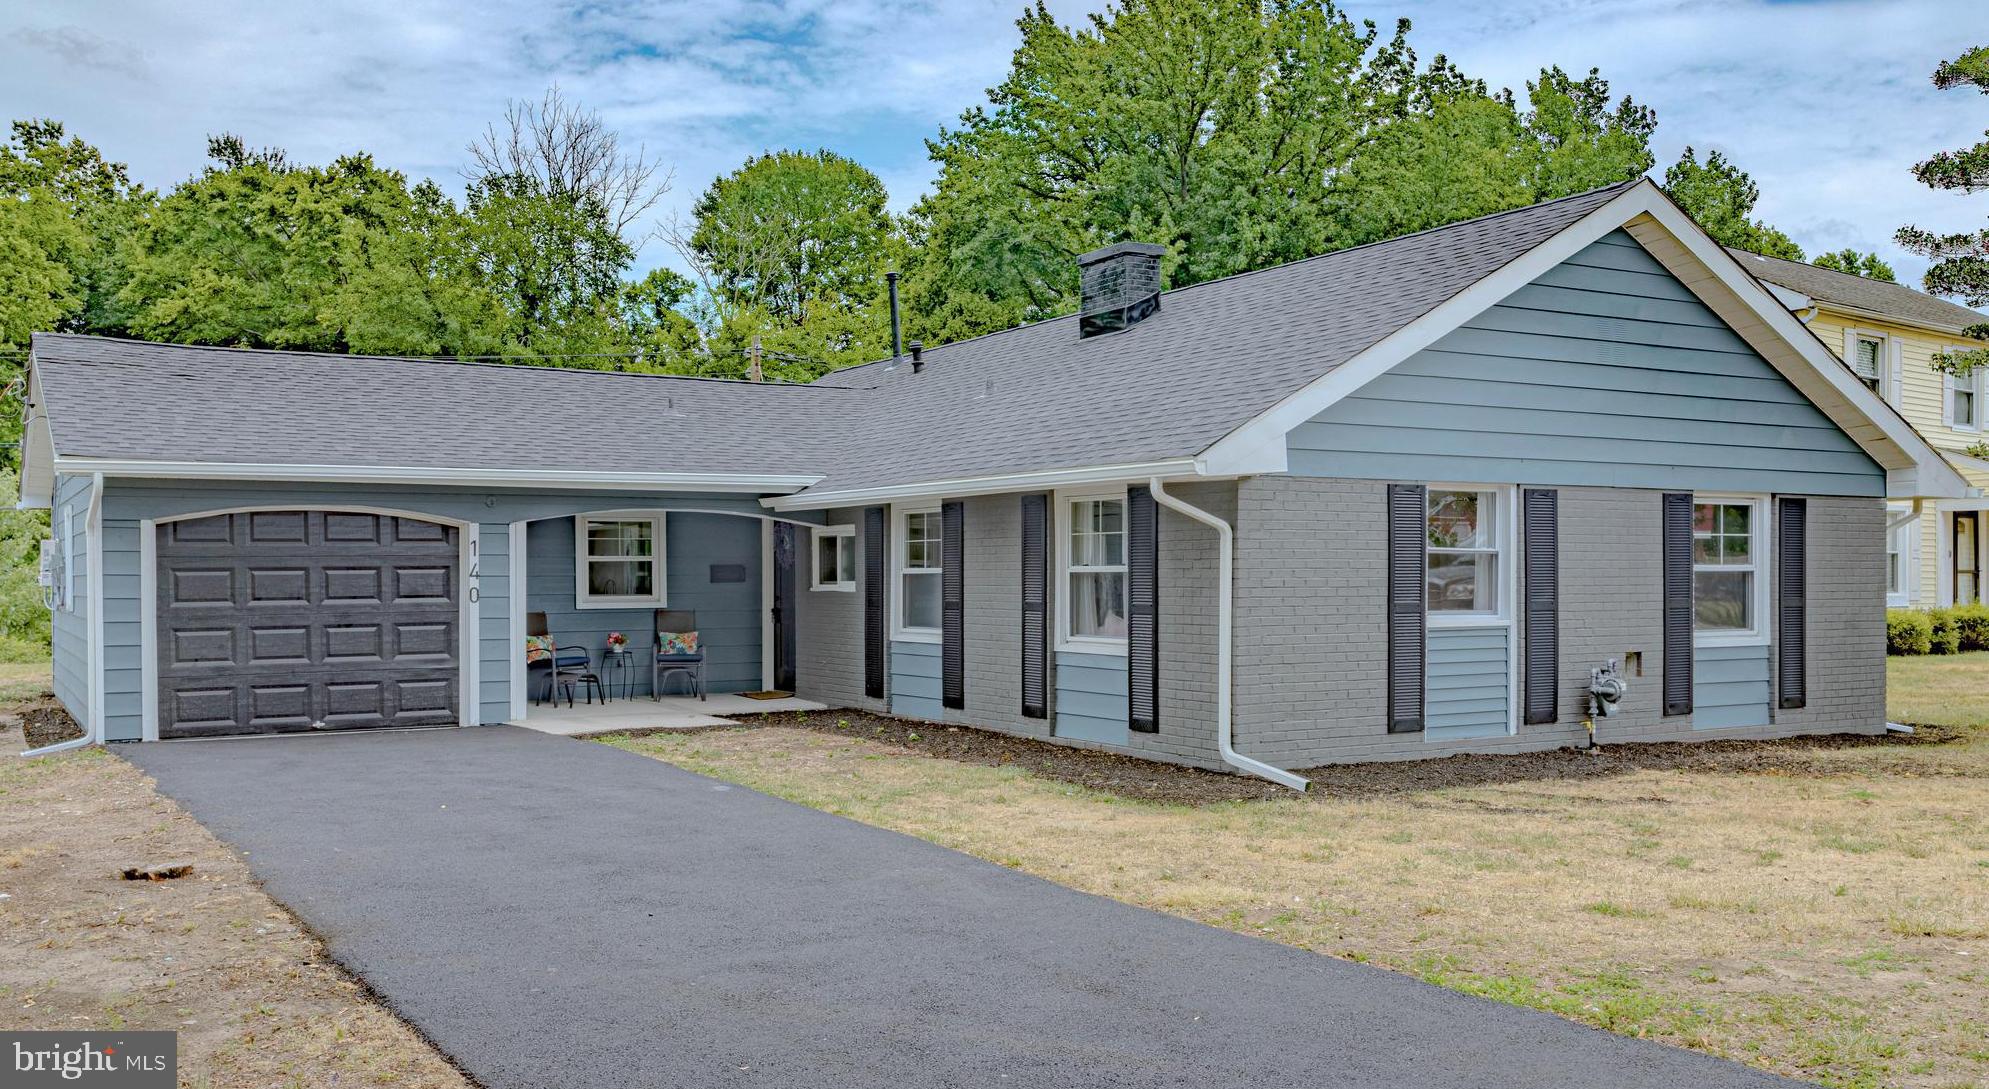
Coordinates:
x,y
1035,480
575,479
1225,625
1912,515
93,730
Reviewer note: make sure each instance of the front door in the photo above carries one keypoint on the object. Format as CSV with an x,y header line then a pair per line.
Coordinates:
x,y
1967,558
784,534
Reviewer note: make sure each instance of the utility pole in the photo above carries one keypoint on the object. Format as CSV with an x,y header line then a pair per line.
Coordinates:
x,y
754,371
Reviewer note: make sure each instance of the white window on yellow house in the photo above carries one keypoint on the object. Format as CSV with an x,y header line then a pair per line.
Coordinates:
x,y
1963,409
1868,361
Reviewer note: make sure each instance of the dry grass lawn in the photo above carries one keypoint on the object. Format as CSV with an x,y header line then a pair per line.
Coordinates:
x,y
1832,925
256,1001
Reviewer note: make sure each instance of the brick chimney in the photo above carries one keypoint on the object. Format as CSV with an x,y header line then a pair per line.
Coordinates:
x,y
1118,286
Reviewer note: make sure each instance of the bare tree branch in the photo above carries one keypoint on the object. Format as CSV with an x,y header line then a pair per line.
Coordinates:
x,y
569,150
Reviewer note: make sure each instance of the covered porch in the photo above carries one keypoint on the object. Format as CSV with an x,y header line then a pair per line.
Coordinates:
x,y
720,570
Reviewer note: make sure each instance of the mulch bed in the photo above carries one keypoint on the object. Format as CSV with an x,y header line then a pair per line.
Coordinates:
x,y
1146,780
46,722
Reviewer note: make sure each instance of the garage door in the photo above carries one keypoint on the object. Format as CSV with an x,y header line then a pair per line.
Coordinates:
x,y
275,621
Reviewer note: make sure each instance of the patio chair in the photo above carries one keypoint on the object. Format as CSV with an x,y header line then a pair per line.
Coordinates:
x,y
662,665
564,668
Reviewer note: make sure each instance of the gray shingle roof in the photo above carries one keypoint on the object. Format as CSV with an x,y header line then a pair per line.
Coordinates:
x,y
1035,398
1826,286
133,400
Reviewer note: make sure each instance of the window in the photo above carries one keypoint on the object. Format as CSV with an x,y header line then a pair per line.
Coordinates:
x,y
1868,360
835,558
919,573
1901,551
1726,568
1464,563
1964,406
1095,569
619,561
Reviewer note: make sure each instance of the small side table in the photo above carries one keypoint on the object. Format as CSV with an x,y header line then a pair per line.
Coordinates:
x,y
618,665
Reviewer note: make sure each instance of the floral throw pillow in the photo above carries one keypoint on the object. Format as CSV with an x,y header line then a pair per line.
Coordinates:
x,y
538,648
676,642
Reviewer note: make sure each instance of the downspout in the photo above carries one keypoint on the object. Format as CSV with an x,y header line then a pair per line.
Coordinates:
x,y
1912,515
1225,636
93,555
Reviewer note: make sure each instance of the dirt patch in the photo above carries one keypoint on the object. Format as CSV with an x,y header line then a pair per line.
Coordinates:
x,y
46,722
1146,780
254,997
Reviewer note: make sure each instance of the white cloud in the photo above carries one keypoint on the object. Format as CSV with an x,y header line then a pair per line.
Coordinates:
x,y
1827,104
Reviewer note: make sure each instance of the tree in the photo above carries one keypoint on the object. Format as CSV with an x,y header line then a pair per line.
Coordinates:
x,y
554,261
569,152
1721,197
1238,133
792,247
262,253
1960,260
96,196
1850,261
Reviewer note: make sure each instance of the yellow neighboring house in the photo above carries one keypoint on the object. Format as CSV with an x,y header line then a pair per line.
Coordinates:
x,y
1888,334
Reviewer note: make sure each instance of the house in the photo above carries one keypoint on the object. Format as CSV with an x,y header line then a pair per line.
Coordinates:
x,y
1386,503
1888,334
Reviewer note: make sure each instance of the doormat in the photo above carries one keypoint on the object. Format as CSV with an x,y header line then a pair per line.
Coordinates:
x,y
766,695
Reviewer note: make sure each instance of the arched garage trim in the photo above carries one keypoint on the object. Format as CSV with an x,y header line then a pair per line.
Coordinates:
x,y
520,703
468,547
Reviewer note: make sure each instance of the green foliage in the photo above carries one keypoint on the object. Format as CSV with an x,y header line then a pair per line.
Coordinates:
x,y
1960,259
1943,637
1721,197
1908,631
792,248
23,619
1239,135
1971,623
1848,260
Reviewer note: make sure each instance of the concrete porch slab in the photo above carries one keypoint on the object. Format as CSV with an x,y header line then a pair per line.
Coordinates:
x,y
642,713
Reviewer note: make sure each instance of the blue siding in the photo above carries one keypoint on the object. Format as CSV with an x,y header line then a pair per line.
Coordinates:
x,y
1468,684
1091,697
1729,687
709,538
914,682
1605,371
69,627
728,613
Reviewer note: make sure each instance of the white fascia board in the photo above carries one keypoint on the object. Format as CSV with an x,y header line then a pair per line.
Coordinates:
x,y
1040,480
1792,300
1880,431
442,475
36,482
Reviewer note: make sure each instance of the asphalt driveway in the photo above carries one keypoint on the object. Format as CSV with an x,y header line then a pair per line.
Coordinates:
x,y
555,913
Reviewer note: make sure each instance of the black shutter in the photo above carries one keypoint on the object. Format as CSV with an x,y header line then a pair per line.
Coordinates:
x,y
1143,610
874,567
1035,606
1678,603
1540,522
1792,619
952,605
1408,538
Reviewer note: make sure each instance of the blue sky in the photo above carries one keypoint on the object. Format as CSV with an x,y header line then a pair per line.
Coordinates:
x,y
1826,102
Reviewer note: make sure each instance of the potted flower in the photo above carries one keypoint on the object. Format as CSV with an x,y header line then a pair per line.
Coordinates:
x,y
617,642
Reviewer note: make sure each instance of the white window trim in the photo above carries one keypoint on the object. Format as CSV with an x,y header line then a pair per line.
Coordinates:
x,y
1888,353
1949,383
845,538
1506,499
658,521
1909,558
1762,549
1083,644
899,541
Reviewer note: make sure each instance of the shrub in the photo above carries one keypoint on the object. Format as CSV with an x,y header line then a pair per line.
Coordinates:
x,y
1908,631
1971,623
1945,637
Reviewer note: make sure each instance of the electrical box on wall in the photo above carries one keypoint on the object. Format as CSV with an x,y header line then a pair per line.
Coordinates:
x,y
49,573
